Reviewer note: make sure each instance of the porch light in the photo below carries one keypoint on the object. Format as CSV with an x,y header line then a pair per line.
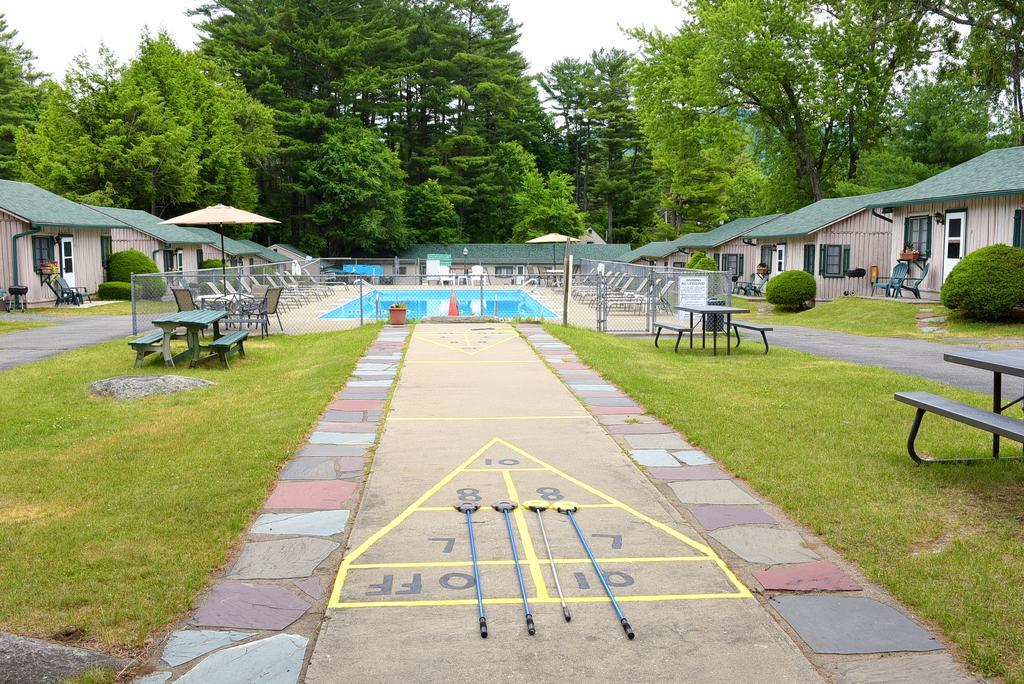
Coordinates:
x,y
940,218
465,251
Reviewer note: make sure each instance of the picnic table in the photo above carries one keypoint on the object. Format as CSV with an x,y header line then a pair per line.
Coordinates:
x,y
705,310
999,363
194,322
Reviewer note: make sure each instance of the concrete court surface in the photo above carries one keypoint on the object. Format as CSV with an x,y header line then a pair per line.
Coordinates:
x,y
477,416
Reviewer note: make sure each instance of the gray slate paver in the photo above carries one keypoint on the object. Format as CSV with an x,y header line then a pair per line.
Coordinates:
x,y
624,402
281,558
847,624
313,468
153,678
693,457
765,545
933,668
666,441
315,523
339,450
342,416
653,457
312,586
185,645
711,492
715,517
342,438
249,606
275,660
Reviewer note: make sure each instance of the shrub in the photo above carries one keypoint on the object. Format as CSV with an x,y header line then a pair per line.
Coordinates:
x,y
705,263
211,263
697,256
123,264
987,283
791,289
114,291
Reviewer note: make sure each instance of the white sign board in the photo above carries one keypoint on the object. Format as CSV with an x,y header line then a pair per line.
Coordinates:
x,y
693,291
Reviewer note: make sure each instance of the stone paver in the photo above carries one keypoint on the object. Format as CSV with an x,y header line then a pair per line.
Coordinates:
x,y
153,678
341,438
275,660
932,668
185,645
653,457
317,523
282,558
845,624
711,492
248,606
820,576
692,457
765,545
705,472
312,586
32,660
715,517
311,468
315,494
666,441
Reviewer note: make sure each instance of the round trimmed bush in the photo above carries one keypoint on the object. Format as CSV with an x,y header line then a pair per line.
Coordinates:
x,y
701,262
987,283
211,263
694,258
791,290
123,264
114,291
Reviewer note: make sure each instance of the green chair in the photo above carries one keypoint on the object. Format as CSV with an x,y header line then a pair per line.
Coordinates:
x,y
758,288
893,283
744,288
914,284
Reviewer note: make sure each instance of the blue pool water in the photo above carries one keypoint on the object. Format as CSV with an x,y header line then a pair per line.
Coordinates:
x,y
510,304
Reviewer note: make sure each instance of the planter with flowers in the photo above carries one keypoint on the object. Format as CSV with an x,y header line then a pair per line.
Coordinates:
x,y
397,313
909,253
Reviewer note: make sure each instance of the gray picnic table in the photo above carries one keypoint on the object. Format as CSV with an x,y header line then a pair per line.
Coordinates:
x,y
194,322
705,310
999,363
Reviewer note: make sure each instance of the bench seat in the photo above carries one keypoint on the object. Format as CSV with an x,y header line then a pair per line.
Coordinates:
x,y
147,344
225,345
995,423
664,325
756,327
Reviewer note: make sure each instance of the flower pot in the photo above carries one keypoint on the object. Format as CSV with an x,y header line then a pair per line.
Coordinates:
x,y
910,256
46,270
762,271
396,315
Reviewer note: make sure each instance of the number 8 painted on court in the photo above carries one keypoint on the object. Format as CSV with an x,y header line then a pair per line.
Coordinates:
x,y
550,493
469,495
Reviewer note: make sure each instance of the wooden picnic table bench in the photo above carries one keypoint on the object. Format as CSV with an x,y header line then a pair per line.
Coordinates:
x,y
659,325
756,327
228,344
194,322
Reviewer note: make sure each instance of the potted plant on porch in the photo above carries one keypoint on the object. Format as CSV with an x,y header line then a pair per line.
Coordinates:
x,y
762,269
48,268
909,253
396,313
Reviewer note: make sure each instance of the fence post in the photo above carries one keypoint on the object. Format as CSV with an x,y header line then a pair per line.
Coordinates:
x,y
483,311
360,301
652,299
135,321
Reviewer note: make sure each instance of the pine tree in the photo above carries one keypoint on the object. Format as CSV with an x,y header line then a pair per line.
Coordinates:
x,y
20,94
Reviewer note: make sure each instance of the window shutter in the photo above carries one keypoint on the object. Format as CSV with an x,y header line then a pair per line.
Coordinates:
x,y
809,259
906,232
821,260
1018,237
718,260
928,237
846,258
739,266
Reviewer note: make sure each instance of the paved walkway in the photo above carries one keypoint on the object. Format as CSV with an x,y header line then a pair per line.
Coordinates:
x,y
365,576
67,332
906,355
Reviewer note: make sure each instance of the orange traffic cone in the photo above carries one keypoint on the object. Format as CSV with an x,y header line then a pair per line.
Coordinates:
x,y
453,305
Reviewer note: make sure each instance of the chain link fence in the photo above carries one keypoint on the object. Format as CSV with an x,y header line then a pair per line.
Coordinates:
x,y
327,294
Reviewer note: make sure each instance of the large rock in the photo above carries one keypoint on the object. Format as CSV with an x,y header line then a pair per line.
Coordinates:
x,y
138,386
32,660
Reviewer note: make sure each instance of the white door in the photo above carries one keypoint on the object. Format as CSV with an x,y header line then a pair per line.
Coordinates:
x,y
520,275
956,240
780,259
67,259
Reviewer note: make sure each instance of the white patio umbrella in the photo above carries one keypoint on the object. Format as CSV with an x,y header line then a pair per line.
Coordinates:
x,y
554,239
219,215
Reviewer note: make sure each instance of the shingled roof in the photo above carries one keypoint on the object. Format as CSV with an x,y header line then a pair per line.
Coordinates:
x,y
725,232
42,208
501,253
151,225
993,174
265,252
231,246
816,216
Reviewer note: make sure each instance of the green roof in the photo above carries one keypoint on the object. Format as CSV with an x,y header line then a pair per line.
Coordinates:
x,y
652,250
42,208
265,252
295,250
231,246
501,253
151,225
724,233
816,216
995,173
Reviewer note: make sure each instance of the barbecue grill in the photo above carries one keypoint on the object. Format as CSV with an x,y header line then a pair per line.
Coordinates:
x,y
18,291
854,273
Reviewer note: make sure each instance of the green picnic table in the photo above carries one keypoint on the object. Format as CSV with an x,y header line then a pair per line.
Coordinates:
x,y
194,322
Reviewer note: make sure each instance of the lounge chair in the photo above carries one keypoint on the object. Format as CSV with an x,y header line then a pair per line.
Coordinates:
x,y
740,287
70,295
757,288
914,284
183,298
477,275
893,284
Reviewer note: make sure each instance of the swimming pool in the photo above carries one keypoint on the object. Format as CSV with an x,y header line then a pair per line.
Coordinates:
x,y
510,304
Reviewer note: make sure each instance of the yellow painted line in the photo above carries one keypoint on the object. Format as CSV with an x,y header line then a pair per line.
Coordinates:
x,y
559,561
524,533
502,470
467,352
435,509
517,600
451,509
651,521
449,419
376,536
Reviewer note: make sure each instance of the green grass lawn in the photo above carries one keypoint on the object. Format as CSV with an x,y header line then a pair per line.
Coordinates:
x,y
113,515
883,318
824,440
8,325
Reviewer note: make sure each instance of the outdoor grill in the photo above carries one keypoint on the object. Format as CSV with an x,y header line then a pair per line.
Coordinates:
x,y
854,273
18,291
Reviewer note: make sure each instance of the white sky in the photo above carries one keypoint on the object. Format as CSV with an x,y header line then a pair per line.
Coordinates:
x,y
57,30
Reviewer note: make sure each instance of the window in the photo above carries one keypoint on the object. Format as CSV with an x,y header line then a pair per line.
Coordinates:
x,y
834,261
809,258
733,263
768,255
179,260
402,270
917,232
503,271
199,257
42,251
106,249
678,264
1018,238
168,260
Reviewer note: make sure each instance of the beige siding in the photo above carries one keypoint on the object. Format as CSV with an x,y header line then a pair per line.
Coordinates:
x,y
989,222
869,238
751,255
88,266
9,227
123,239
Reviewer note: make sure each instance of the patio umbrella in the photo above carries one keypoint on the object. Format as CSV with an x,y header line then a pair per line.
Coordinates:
x,y
554,239
219,215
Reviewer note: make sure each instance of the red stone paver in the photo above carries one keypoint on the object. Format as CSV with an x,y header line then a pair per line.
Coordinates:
x,y
638,429
315,494
327,426
356,405
818,576
615,410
